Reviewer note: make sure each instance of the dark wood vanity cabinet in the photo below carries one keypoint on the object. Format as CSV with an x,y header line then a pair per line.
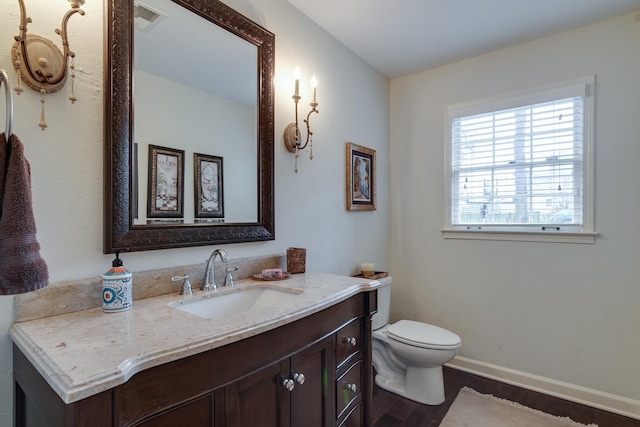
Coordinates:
x,y
247,383
264,399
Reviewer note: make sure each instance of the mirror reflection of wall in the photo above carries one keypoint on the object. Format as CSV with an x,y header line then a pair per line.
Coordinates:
x,y
196,90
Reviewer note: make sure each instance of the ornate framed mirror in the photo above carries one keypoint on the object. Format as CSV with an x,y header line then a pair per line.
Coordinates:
x,y
169,126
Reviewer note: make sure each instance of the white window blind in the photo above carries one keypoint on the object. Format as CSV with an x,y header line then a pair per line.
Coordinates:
x,y
521,167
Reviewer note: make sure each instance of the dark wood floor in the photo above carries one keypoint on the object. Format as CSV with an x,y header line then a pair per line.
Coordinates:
x,y
390,410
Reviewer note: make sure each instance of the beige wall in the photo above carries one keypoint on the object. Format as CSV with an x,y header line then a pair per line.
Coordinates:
x,y
66,159
569,312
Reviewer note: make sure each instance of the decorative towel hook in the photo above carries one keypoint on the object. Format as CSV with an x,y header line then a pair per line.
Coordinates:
x,y
4,77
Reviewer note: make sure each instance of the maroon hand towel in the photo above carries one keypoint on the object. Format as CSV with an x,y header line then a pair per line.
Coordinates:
x,y
21,267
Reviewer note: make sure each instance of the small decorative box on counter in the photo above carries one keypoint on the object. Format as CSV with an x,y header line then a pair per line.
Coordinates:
x,y
296,260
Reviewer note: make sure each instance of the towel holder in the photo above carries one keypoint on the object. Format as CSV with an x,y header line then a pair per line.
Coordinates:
x,y
7,90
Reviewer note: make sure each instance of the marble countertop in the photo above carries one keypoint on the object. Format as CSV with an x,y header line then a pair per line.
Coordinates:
x,y
84,353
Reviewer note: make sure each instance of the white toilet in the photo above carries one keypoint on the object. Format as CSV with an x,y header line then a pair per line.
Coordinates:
x,y
408,355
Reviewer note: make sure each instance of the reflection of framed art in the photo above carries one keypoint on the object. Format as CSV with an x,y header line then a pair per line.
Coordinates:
x,y
361,178
207,180
166,183
134,187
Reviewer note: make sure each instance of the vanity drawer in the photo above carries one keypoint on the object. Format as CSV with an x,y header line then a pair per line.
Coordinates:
x,y
354,419
348,341
348,387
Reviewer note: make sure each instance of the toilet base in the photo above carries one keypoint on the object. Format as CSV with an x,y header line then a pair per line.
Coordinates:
x,y
410,371
423,385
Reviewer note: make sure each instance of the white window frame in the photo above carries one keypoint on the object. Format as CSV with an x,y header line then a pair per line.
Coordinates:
x,y
584,86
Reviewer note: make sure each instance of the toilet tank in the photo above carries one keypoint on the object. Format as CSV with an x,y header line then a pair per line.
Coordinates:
x,y
381,318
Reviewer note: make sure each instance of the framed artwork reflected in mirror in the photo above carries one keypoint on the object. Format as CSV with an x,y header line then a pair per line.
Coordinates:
x,y
166,183
208,186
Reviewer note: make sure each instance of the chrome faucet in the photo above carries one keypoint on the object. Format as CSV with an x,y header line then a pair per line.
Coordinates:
x,y
209,283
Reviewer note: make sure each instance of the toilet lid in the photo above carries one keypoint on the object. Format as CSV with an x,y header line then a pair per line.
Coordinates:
x,y
422,335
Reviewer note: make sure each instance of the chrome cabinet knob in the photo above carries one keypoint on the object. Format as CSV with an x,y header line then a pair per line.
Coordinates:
x,y
288,384
297,377
350,340
351,387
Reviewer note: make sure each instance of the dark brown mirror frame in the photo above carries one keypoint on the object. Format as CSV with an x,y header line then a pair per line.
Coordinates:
x,y
119,232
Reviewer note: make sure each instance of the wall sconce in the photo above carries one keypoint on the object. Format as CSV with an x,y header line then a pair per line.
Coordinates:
x,y
292,138
39,62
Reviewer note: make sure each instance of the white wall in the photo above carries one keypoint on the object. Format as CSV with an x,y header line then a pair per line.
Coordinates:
x,y
569,312
66,159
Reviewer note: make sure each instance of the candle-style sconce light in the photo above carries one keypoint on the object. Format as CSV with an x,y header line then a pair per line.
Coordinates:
x,y
292,137
39,62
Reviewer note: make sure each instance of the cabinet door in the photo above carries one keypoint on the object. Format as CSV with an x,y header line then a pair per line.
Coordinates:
x,y
196,414
311,401
260,399
295,392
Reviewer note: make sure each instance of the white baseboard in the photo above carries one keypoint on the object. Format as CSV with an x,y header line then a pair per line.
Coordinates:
x,y
586,396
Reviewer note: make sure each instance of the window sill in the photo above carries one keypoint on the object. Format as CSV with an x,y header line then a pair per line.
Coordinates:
x,y
584,237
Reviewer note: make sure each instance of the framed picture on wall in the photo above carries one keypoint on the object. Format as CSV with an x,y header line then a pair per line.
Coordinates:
x,y
208,189
361,178
166,183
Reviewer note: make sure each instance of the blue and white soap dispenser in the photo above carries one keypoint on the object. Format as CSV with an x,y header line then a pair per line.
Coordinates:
x,y
117,291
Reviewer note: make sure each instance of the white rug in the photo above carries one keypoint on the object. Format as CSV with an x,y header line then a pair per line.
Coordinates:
x,y
472,409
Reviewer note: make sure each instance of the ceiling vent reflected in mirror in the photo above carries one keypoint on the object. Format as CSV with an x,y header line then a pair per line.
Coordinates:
x,y
146,17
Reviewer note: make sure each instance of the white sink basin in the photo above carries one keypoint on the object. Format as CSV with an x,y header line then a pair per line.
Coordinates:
x,y
214,305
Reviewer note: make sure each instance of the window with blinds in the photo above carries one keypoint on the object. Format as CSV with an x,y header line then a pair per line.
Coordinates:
x,y
522,162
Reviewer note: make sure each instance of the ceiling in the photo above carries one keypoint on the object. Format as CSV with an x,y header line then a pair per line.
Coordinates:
x,y
400,37
176,42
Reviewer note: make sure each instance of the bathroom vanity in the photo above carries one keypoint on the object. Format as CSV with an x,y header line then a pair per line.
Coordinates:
x,y
304,362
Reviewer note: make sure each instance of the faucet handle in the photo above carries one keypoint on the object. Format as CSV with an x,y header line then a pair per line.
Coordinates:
x,y
228,279
186,285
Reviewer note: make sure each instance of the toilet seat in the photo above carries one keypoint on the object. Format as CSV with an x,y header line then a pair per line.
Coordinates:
x,y
423,335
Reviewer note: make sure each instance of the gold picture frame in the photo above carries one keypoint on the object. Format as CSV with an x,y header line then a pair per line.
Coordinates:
x,y
360,178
